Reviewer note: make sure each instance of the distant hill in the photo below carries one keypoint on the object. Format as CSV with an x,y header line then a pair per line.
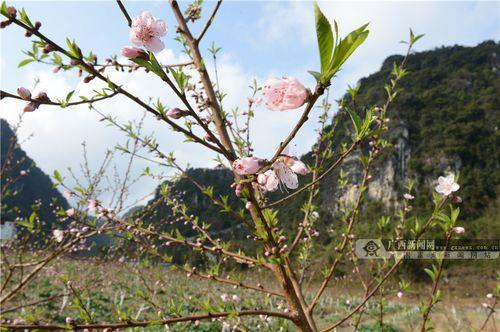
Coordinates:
x,y
34,187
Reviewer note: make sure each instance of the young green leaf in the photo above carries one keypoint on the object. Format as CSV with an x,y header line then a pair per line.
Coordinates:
x,y
325,38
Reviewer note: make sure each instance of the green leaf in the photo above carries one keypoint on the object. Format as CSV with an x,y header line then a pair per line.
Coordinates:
x,y
69,95
356,120
57,176
3,9
25,19
24,62
346,47
325,38
315,74
430,273
414,38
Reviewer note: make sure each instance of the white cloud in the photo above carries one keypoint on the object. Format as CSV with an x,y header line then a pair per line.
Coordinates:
x,y
444,23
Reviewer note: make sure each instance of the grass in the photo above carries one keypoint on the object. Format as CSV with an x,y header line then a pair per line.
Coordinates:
x,y
110,291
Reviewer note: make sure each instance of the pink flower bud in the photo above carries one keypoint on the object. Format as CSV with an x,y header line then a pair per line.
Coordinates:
x,y
299,167
55,70
484,305
42,96
459,230
23,173
269,180
12,11
247,165
249,206
176,113
238,189
24,93
30,107
262,179
70,212
284,93
133,52
399,294
489,296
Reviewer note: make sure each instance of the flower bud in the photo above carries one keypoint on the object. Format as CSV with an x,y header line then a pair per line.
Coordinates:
x,y
249,206
12,11
458,230
38,25
42,96
176,113
247,165
24,93
134,52
30,107
48,48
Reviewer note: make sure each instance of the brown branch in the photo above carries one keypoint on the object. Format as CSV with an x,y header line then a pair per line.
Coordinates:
x,y
345,240
209,22
430,305
164,77
90,68
490,314
217,115
146,323
4,94
125,13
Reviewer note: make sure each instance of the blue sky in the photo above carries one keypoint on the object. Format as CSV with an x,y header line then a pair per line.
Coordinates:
x,y
258,39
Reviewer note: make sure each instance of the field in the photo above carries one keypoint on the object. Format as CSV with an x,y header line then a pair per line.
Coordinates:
x,y
87,289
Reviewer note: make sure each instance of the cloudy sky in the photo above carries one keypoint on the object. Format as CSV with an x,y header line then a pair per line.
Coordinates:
x,y
259,39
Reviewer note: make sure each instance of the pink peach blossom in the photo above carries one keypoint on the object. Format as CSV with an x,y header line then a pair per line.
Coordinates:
x,y
248,205
399,294
284,93
408,196
298,167
447,185
58,235
24,93
146,31
459,230
286,175
247,165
